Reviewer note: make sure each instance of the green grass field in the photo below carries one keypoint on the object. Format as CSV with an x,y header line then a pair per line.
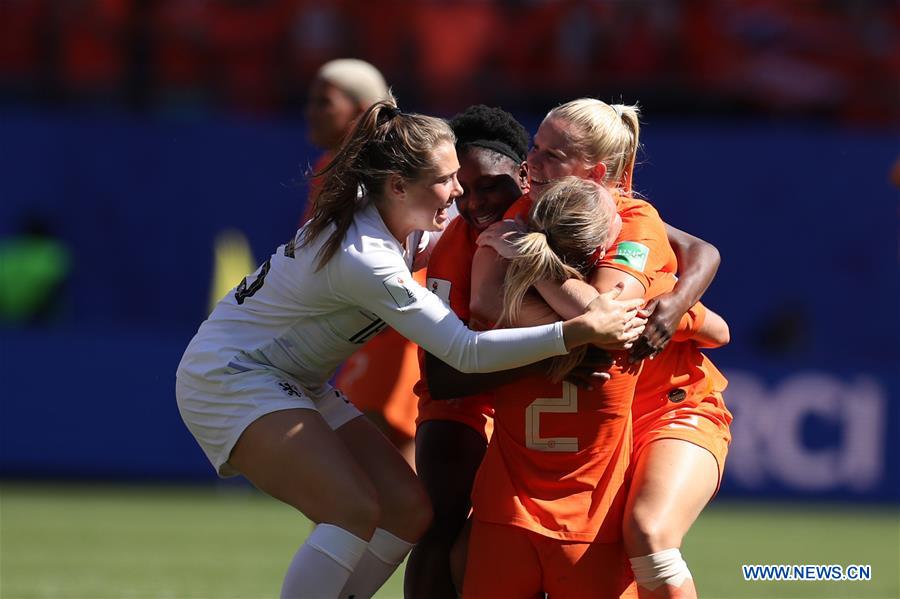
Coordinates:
x,y
95,542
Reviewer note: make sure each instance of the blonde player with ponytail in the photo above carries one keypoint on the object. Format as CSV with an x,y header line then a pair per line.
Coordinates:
x,y
681,423
549,496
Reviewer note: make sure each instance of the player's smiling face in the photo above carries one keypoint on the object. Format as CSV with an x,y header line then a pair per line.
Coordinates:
x,y
554,154
428,197
491,182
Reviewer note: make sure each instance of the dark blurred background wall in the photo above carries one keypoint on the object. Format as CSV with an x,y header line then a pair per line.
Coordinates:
x,y
133,132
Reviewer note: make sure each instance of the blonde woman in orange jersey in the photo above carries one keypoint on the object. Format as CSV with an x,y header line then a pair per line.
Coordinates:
x,y
549,496
596,141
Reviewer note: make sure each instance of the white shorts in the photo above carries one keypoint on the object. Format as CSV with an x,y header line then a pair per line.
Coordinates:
x,y
218,417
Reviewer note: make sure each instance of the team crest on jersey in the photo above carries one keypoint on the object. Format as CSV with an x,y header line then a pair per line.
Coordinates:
x,y
440,287
289,389
631,254
401,289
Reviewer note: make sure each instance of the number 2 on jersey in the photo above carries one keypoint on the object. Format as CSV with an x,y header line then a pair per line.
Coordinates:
x,y
567,404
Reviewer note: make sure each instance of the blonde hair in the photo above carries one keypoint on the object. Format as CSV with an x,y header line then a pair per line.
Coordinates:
x,y
357,78
566,225
607,133
383,142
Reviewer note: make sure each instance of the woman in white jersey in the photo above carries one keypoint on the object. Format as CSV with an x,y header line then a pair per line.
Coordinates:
x,y
253,384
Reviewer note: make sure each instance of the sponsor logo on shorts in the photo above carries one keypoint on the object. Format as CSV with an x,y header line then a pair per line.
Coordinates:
x,y
677,395
631,254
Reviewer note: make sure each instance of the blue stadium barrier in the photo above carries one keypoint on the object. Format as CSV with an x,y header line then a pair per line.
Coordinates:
x,y
805,219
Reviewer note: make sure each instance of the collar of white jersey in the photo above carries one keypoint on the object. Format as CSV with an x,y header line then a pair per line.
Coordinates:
x,y
415,241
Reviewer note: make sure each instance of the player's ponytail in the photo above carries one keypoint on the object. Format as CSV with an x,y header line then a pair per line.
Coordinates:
x,y
565,227
384,142
630,116
535,261
604,133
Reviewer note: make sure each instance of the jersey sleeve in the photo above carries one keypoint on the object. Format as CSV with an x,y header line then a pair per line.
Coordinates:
x,y
380,282
690,323
642,248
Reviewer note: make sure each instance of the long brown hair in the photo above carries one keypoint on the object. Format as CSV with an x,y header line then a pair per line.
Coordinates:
x,y
566,225
384,142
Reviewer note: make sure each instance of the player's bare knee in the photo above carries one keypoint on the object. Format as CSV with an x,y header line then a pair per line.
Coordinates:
x,y
648,533
358,512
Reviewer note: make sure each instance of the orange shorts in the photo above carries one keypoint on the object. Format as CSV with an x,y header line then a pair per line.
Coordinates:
x,y
700,418
509,561
476,412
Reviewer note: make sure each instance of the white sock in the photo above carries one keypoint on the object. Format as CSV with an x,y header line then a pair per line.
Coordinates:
x,y
323,564
384,553
663,567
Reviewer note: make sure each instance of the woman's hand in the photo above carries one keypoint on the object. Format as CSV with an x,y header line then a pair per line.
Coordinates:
x,y
499,237
665,313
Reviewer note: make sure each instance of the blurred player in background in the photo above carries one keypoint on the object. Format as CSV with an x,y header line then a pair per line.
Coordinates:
x,y
379,377
342,90
681,423
451,436
252,385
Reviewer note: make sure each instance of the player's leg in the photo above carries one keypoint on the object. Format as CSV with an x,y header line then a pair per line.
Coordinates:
x,y
448,454
294,456
405,509
379,379
459,555
673,481
503,562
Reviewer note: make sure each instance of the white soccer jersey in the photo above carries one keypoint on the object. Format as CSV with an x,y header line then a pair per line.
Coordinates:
x,y
291,317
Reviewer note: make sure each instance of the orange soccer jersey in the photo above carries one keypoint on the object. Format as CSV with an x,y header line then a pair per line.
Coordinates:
x,y
450,278
551,491
557,463
678,394
588,454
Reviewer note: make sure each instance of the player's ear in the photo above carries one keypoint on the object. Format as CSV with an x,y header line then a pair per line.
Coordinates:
x,y
522,178
396,185
598,173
